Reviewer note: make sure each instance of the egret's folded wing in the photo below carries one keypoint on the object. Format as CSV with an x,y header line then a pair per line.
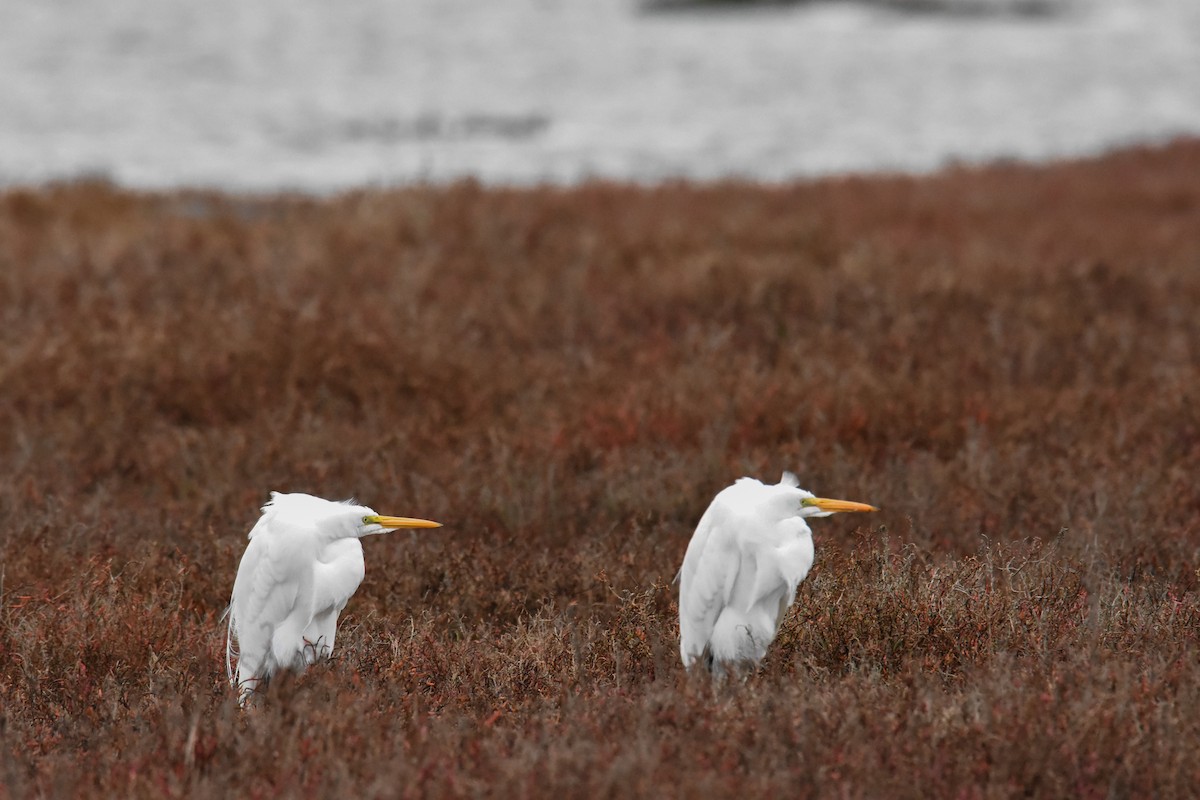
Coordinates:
x,y
706,583
265,594
264,522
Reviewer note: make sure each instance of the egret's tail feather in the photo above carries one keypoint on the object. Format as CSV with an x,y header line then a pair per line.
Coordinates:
x,y
247,688
231,651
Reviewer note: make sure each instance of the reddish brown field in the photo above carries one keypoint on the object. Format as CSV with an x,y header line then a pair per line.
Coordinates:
x,y
1004,359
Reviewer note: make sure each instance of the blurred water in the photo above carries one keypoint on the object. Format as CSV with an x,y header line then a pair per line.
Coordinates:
x,y
319,96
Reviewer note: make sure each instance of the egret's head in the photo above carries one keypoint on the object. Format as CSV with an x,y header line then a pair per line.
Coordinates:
x,y
777,502
813,506
380,523
336,519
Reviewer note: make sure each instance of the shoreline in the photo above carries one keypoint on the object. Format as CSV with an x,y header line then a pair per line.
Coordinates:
x,y
1167,142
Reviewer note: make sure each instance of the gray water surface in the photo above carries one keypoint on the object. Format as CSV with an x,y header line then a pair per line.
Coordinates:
x,y
279,94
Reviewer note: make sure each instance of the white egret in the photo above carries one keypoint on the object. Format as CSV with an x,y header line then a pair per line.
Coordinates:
x,y
303,563
750,551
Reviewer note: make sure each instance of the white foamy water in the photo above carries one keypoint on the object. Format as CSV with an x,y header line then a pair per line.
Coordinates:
x,y
319,96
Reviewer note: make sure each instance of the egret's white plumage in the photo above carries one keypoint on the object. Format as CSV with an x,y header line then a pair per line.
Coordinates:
x,y
750,551
303,563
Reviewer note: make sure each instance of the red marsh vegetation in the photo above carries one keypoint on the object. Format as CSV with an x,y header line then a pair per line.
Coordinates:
x,y
1005,359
